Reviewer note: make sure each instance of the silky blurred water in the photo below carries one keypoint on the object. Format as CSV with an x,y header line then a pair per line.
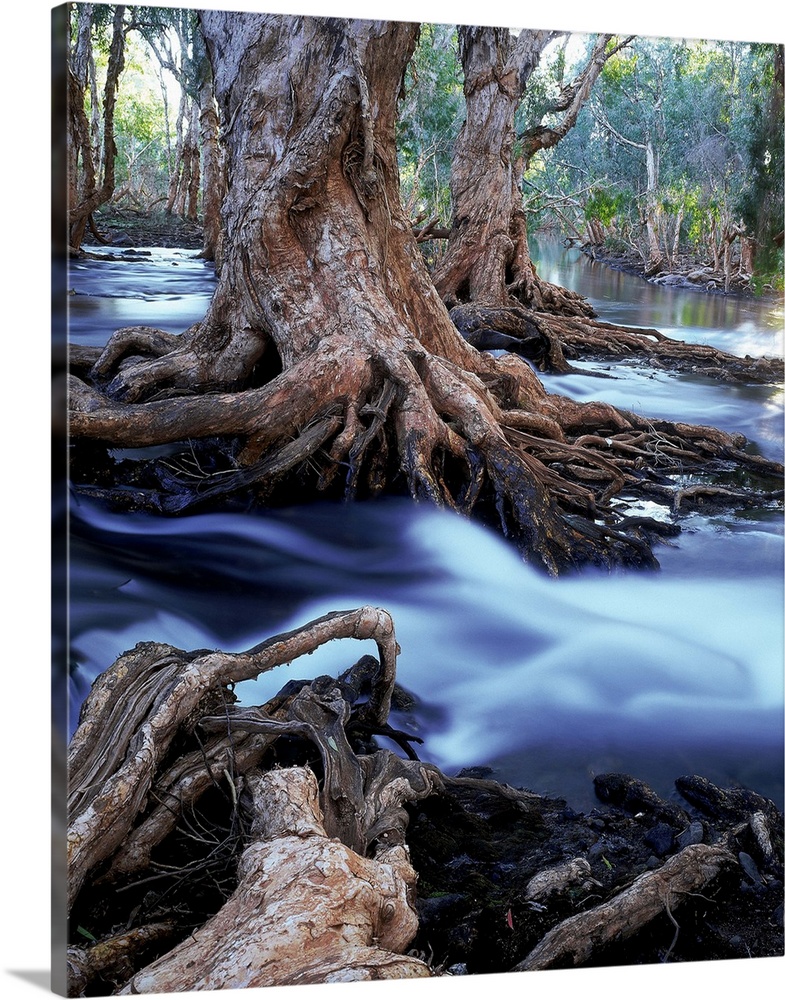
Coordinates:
x,y
546,681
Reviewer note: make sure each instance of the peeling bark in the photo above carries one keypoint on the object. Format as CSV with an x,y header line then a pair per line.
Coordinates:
x,y
92,196
324,889
307,909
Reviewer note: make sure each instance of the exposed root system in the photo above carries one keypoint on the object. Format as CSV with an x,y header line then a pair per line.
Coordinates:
x,y
213,846
484,439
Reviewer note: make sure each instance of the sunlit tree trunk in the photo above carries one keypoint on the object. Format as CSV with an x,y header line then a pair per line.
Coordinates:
x,y
656,260
91,196
677,230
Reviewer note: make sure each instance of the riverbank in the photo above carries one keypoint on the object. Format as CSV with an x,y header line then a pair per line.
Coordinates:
x,y
127,228
683,272
494,881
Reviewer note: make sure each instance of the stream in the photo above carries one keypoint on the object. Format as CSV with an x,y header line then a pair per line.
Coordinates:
x,y
547,682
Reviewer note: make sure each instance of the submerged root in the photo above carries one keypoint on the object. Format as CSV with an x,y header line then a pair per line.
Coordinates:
x,y
551,340
594,340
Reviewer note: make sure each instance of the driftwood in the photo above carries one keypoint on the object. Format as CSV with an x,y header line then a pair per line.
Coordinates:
x,y
307,908
324,888
580,937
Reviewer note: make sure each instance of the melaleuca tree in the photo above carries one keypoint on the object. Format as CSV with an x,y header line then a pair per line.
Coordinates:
x,y
762,203
429,117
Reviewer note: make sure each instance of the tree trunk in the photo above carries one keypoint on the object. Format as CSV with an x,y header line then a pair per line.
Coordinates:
x,y
93,197
194,174
487,260
332,365
484,187
177,167
677,231
655,261
213,180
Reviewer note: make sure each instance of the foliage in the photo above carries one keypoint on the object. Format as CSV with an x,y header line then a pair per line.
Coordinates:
x,y
430,117
604,205
709,112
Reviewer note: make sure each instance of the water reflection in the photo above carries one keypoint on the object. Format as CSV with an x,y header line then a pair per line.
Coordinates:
x,y
740,326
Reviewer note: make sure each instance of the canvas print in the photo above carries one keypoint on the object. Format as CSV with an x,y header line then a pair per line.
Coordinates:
x,y
420,483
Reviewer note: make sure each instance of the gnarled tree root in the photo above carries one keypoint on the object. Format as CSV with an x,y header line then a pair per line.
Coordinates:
x,y
580,937
325,890
140,704
551,341
307,909
544,468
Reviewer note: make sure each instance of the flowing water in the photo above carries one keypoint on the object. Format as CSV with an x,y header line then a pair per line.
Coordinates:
x,y
547,682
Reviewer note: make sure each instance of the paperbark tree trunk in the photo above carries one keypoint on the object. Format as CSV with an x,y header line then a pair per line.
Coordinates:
x,y
488,260
485,187
213,180
91,196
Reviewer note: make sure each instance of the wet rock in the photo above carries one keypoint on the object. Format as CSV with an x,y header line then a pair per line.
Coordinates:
x,y
760,830
660,839
750,868
692,835
727,804
475,772
636,796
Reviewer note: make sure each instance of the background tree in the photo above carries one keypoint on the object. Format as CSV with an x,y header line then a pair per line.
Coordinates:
x,y
488,260
762,203
88,195
667,167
